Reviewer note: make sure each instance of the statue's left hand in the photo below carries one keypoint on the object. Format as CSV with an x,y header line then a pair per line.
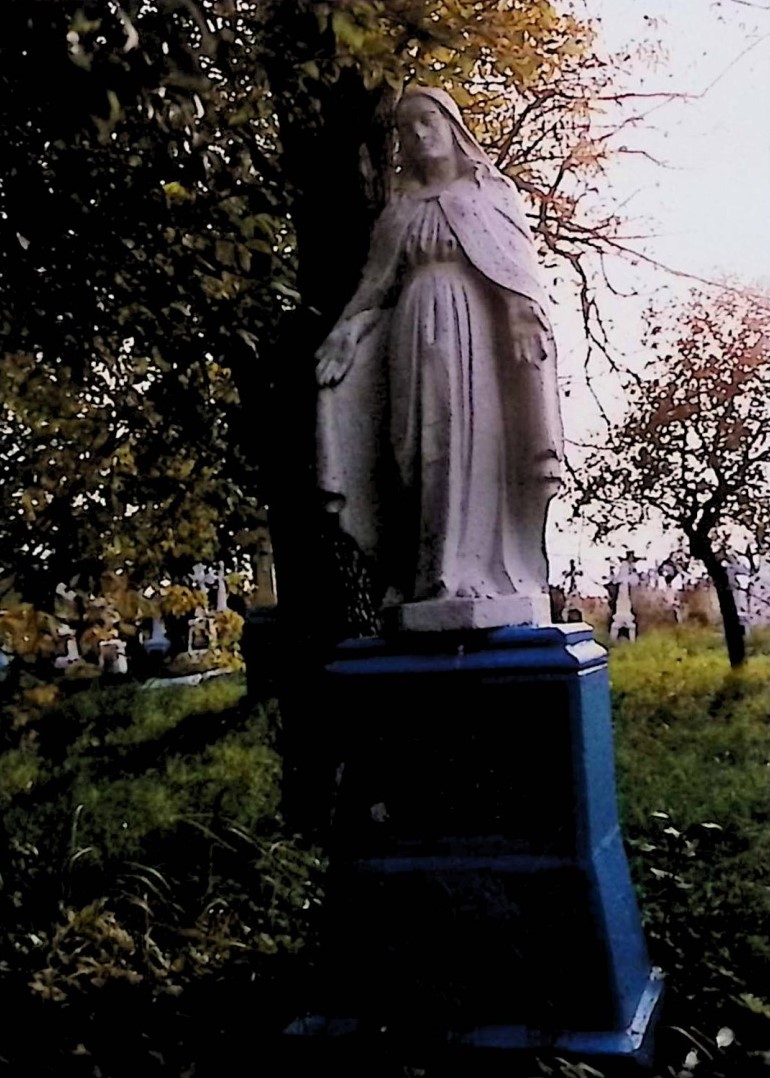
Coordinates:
x,y
527,332
528,335
546,468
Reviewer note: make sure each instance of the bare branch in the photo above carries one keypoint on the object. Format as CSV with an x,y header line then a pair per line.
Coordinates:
x,y
638,95
751,3
628,152
615,291
709,282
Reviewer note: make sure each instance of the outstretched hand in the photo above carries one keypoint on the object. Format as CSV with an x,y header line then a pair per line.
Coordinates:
x,y
335,358
336,354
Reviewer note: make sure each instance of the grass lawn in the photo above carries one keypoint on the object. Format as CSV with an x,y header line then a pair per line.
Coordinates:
x,y
155,909
693,757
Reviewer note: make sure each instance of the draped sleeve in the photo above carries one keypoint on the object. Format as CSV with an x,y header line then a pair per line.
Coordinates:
x,y
350,415
379,272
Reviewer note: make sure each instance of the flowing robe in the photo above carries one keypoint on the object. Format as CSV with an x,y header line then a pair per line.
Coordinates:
x,y
430,442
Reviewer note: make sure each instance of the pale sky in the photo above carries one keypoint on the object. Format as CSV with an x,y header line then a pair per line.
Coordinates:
x,y
707,213
711,206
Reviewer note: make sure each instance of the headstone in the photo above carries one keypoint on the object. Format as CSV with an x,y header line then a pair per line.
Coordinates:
x,y
668,572
676,604
623,623
200,577
112,656
265,575
221,603
157,643
202,632
66,603
573,609
68,649
651,579
738,576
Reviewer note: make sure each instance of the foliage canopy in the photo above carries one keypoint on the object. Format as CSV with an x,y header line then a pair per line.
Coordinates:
x,y
173,180
693,446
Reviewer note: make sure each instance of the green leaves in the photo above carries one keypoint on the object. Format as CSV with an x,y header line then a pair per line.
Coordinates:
x,y
348,32
449,41
146,253
692,746
156,199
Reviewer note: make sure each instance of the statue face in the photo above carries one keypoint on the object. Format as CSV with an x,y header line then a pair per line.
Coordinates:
x,y
424,131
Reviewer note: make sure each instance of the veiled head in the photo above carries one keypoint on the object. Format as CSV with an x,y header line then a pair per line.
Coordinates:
x,y
424,130
431,126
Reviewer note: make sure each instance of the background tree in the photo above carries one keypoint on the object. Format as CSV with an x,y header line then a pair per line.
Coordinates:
x,y
694,444
143,234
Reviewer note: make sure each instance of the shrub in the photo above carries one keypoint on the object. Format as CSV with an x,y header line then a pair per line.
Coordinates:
x,y
143,859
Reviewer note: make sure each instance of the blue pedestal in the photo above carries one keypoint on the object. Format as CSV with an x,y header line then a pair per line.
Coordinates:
x,y
479,893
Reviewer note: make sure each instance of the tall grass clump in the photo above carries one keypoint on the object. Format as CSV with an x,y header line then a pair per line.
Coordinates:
x,y
693,756
147,878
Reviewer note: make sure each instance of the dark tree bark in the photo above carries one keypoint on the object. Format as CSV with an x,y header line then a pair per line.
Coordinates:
x,y
334,167
334,164
702,549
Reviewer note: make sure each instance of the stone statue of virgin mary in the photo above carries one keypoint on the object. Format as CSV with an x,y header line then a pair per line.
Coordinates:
x,y
439,431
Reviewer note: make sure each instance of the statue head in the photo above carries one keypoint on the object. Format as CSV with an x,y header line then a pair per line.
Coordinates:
x,y
424,129
430,125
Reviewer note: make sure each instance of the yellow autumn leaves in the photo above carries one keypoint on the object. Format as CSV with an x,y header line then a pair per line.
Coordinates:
x,y
449,41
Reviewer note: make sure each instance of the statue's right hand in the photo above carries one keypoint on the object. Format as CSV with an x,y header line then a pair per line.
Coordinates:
x,y
334,358
336,354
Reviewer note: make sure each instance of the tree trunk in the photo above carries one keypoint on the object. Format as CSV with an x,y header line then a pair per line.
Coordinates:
x,y
333,164
701,548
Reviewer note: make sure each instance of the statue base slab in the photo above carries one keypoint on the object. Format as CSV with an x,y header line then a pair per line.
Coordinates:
x,y
448,615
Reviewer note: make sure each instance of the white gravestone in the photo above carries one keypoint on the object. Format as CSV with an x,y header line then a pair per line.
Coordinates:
x,y
202,633
157,643
221,603
623,623
71,655
738,575
112,656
